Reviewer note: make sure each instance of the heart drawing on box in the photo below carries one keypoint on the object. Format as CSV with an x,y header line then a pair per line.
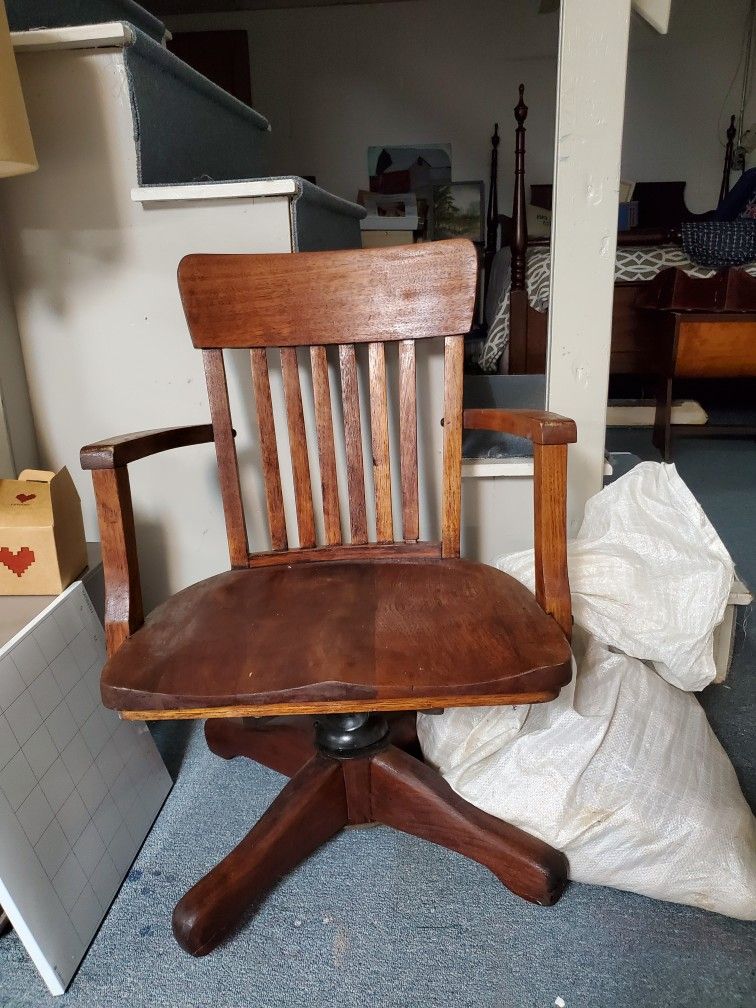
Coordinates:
x,y
18,562
25,497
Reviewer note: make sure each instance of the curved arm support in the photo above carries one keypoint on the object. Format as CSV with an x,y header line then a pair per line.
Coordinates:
x,y
550,435
536,425
124,612
125,448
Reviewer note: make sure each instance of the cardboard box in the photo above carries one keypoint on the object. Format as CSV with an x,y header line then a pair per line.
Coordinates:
x,y
42,546
627,217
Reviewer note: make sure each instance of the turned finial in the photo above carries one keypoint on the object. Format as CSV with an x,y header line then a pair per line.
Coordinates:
x,y
521,109
495,138
731,130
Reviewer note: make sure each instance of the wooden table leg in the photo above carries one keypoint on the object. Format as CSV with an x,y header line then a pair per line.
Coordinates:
x,y
662,436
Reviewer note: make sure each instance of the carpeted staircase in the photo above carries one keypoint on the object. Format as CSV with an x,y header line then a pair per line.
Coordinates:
x,y
187,129
24,15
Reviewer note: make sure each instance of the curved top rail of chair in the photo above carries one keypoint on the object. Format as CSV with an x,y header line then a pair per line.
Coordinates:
x,y
324,298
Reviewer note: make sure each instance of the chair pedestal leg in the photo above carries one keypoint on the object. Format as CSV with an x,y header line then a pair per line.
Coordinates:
x,y
413,798
375,783
310,810
285,744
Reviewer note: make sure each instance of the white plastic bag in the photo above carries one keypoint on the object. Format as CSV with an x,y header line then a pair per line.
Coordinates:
x,y
648,574
622,771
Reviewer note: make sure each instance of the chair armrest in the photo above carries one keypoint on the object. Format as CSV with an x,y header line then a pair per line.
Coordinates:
x,y
539,427
550,435
119,451
124,612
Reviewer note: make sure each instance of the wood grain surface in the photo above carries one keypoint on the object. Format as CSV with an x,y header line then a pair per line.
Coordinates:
x,y
389,786
320,298
408,441
409,634
120,451
268,450
225,453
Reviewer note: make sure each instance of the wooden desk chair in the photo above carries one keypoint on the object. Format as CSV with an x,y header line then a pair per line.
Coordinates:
x,y
354,628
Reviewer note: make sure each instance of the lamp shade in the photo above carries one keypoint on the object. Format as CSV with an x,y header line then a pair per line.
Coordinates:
x,y
16,146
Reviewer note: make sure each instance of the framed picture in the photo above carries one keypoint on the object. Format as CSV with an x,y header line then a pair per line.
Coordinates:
x,y
457,211
388,213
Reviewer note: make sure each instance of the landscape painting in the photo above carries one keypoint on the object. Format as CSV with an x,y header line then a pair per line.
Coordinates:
x,y
458,211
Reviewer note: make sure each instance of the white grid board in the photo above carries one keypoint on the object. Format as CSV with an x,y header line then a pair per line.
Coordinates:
x,y
79,789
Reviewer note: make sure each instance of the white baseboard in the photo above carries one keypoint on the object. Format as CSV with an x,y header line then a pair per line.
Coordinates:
x,y
641,414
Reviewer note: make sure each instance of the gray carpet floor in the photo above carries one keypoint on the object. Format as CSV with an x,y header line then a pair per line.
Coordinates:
x,y
378,918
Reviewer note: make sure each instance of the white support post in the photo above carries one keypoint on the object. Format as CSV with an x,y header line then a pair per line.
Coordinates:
x,y
593,39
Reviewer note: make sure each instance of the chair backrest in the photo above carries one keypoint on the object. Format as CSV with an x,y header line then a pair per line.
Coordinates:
x,y
334,299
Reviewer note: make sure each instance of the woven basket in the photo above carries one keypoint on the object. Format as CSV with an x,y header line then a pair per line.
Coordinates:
x,y
720,243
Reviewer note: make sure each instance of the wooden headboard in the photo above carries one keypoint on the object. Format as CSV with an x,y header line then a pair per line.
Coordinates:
x,y
661,205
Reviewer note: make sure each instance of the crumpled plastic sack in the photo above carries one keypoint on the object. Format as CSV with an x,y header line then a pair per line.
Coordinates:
x,y
648,574
622,771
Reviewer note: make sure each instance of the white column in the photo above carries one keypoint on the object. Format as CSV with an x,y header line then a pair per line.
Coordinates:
x,y
593,38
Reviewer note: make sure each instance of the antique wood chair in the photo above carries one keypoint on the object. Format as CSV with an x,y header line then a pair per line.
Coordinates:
x,y
355,629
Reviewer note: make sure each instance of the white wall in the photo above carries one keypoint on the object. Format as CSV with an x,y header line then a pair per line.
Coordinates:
x,y
335,80
681,91
18,442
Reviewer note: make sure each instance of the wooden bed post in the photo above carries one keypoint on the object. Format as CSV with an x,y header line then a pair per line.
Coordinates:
x,y
493,194
518,305
725,187
492,213
519,219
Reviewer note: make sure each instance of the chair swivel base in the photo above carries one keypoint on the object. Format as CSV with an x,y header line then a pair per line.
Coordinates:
x,y
354,769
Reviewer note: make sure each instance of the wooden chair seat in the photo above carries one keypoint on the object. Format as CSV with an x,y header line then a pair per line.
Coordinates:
x,y
352,636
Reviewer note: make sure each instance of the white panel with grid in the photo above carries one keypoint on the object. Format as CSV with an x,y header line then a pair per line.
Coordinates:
x,y
79,789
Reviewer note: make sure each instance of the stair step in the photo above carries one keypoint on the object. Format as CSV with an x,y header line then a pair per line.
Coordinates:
x,y
24,15
187,128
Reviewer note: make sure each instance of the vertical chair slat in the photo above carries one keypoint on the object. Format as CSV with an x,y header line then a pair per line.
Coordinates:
x,y
300,465
408,440
326,451
452,477
384,521
353,444
225,451
268,449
